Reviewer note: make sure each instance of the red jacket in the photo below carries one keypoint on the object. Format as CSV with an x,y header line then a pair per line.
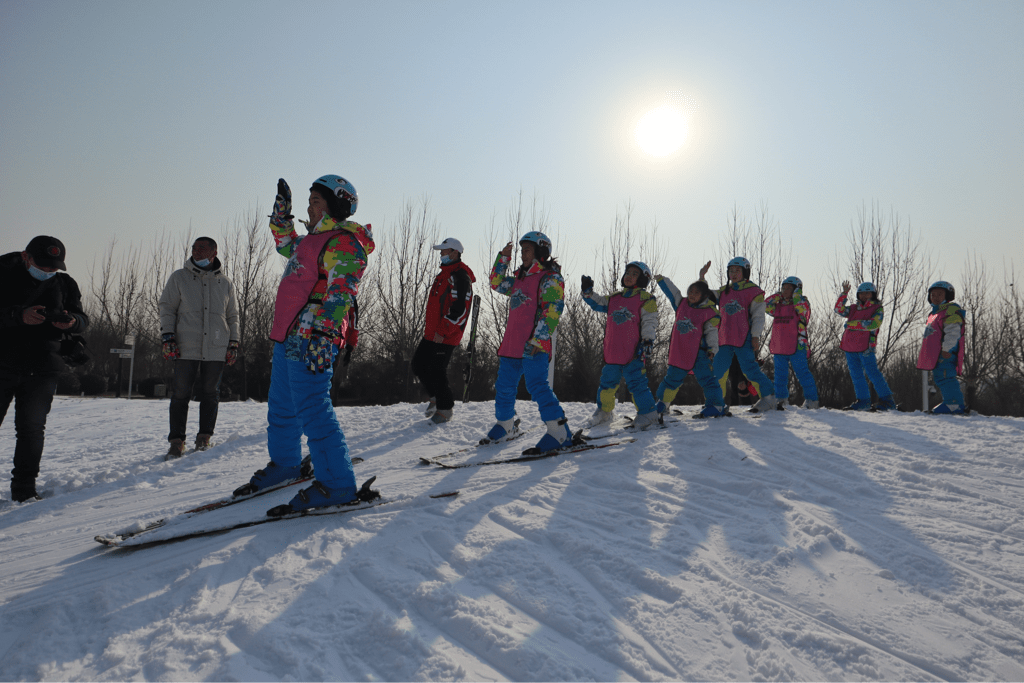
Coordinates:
x,y
449,302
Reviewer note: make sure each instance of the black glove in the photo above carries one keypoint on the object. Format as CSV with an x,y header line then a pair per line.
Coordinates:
x,y
646,348
587,284
282,216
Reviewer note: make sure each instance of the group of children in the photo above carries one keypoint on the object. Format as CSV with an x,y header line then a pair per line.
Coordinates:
x,y
710,330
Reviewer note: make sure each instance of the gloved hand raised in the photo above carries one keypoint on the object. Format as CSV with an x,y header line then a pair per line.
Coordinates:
x,y
282,216
587,284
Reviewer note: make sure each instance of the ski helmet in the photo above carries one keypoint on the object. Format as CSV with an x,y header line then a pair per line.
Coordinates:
x,y
868,287
645,274
795,281
340,195
942,284
543,242
742,263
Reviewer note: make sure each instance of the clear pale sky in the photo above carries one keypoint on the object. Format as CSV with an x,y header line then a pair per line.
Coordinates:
x,y
127,118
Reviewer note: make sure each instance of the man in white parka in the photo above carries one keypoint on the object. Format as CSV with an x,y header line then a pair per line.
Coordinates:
x,y
199,326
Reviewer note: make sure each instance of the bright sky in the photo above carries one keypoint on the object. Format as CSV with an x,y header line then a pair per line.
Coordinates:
x,y
127,118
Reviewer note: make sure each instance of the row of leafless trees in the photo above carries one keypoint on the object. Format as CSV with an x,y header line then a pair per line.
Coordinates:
x,y
880,246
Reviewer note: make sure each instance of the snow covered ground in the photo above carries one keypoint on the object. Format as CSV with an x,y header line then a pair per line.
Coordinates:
x,y
805,545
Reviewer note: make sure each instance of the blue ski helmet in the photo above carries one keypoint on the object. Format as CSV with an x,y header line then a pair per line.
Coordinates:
x,y
543,242
795,281
340,194
742,263
645,274
942,284
868,287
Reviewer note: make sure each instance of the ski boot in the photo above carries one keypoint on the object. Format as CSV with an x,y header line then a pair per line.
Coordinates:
x,y
202,441
441,416
781,405
600,417
661,408
765,404
886,403
810,405
860,404
431,407
503,430
319,496
557,437
712,411
949,409
176,449
271,476
646,420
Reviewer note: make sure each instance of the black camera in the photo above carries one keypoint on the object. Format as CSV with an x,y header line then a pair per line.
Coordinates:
x,y
56,316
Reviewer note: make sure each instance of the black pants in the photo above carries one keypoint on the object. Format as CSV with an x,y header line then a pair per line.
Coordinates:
x,y
32,395
184,387
430,363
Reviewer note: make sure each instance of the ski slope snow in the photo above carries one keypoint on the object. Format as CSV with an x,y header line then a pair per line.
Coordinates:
x,y
801,545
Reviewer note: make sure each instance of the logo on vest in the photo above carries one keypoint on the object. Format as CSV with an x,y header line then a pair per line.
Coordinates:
x,y
685,326
293,266
929,331
519,298
623,315
733,307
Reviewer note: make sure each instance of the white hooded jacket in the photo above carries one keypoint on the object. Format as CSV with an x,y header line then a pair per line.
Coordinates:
x,y
200,308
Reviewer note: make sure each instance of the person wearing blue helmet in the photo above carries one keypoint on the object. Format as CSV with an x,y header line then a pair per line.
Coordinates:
x,y
536,294
791,313
942,348
632,323
741,305
863,320
311,313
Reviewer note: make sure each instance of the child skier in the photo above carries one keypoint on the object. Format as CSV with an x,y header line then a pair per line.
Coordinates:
x,y
693,345
863,320
942,349
741,304
792,312
629,333
537,294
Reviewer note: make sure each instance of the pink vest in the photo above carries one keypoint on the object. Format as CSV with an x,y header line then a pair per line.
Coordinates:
x,y
734,307
297,283
931,345
522,315
687,334
856,341
622,331
785,330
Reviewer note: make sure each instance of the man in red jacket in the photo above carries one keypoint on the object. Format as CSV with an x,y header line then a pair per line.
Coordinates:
x,y
447,312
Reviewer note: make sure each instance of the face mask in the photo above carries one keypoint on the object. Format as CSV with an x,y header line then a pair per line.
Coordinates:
x,y
202,263
447,260
40,274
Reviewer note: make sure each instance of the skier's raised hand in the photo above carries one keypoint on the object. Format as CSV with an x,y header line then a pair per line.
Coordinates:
x,y
846,287
282,216
705,269
586,284
507,251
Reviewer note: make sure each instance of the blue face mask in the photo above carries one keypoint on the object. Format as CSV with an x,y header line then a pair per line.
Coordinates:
x,y
202,263
40,274
447,260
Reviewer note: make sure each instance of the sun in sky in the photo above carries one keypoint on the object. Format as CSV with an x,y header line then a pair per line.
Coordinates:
x,y
661,131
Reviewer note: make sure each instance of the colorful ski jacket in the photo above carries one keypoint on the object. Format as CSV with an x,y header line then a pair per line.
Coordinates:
x,y
943,333
325,270
861,325
448,304
537,299
741,305
199,306
694,330
789,328
632,317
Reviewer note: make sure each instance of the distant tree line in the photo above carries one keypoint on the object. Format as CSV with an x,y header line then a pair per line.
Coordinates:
x,y
125,284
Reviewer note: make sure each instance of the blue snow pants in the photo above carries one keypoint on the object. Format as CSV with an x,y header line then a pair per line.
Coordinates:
x,y
702,371
748,364
535,368
803,375
636,381
300,403
944,375
863,367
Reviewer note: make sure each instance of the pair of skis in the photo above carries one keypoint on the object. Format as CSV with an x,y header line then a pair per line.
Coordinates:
x,y
579,443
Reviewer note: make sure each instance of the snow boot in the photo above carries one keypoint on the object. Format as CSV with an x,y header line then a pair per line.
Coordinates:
x,y
949,409
646,420
176,449
810,405
431,407
319,496
441,416
886,403
558,436
271,476
600,417
503,430
202,441
765,404
859,404
712,411
24,494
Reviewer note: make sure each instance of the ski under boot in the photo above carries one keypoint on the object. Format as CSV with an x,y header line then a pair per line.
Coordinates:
x,y
646,420
441,416
503,430
886,403
558,436
949,409
319,496
712,411
271,475
431,408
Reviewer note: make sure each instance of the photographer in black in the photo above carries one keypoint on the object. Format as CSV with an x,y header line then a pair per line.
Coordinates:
x,y
38,306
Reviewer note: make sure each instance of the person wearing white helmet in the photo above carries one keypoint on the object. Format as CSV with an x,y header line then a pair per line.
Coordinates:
x,y
630,328
942,348
448,310
311,312
536,294
863,319
741,305
791,313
